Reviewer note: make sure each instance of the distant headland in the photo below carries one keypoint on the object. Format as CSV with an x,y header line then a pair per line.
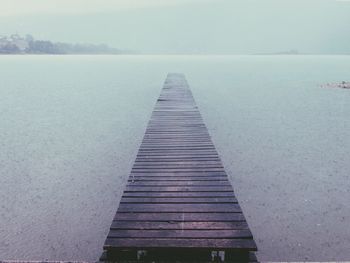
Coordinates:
x,y
342,85
288,52
16,44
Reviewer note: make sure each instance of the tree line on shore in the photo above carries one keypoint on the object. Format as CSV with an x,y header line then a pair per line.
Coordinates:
x,y
15,44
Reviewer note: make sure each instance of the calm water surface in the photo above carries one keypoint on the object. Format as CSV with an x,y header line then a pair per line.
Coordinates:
x,y
70,127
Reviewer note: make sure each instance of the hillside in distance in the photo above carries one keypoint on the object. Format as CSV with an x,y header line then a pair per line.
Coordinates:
x,y
16,44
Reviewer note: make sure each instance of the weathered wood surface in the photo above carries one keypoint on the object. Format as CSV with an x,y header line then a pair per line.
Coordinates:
x,y
178,195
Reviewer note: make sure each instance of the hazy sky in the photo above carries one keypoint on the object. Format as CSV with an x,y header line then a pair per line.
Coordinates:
x,y
186,26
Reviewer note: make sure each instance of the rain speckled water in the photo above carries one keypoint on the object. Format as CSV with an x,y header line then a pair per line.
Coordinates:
x,y
70,127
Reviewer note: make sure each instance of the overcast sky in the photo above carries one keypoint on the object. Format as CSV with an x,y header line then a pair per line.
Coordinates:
x,y
186,26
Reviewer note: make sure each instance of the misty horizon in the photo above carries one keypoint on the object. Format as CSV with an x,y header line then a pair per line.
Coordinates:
x,y
24,44
188,26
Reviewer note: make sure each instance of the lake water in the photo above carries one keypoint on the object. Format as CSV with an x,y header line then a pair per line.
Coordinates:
x,y
70,128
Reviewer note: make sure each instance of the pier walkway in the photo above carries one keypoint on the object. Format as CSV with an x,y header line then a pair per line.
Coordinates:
x,y
178,203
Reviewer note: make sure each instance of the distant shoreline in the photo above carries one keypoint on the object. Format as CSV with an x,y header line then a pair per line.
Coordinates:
x,y
167,54
18,45
341,85
67,54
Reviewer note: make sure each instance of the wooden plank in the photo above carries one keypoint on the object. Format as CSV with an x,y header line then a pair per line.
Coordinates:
x,y
157,225
180,217
179,183
176,170
169,160
183,233
180,200
179,166
247,244
178,174
188,146
178,189
176,178
192,149
175,160
184,208
178,194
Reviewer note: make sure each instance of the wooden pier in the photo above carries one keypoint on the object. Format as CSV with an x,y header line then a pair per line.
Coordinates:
x,y
178,203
